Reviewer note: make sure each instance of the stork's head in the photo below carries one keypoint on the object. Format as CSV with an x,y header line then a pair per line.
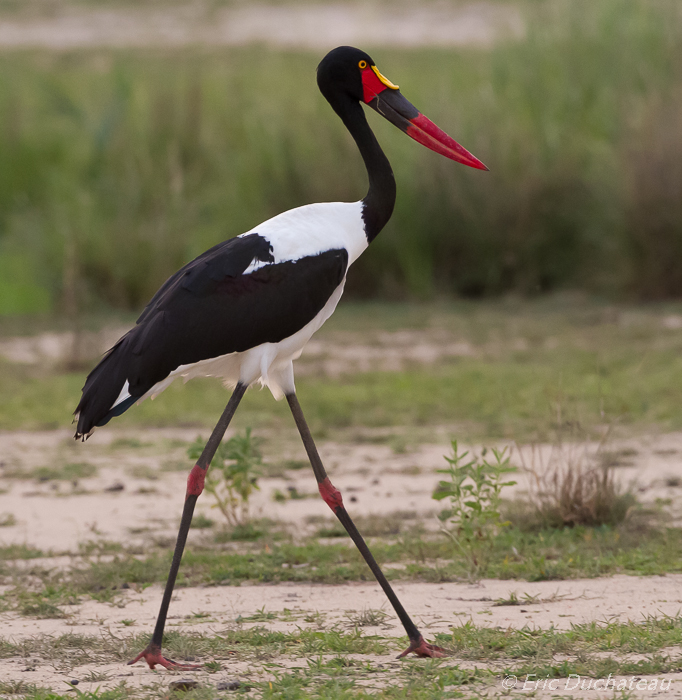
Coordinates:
x,y
351,73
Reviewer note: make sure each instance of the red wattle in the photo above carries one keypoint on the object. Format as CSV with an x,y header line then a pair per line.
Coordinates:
x,y
371,85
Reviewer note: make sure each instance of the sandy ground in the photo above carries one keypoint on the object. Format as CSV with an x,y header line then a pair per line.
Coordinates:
x,y
61,25
434,607
374,478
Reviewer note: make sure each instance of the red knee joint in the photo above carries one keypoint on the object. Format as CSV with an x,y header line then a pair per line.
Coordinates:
x,y
195,481
330,494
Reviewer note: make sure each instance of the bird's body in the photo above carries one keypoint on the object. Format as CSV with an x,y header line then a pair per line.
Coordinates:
x,y
244,310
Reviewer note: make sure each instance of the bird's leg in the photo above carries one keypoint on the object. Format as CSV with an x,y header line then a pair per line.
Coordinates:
x,y
332,497
195,485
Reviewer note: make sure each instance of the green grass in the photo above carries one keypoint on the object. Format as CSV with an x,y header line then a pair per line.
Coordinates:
x,y
536,368
471,642
546,555
20,551
241,643
42,610
67,472
43,604
120,166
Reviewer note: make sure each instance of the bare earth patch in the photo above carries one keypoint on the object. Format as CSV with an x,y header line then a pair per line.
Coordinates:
x,y
139,489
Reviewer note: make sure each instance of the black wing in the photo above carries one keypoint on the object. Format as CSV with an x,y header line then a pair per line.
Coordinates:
x,y
207,309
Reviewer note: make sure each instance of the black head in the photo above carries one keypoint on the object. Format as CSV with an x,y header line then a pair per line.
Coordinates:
x,y
347,75
340,73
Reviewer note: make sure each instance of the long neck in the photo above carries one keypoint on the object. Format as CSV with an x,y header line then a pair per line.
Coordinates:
x,y
380,199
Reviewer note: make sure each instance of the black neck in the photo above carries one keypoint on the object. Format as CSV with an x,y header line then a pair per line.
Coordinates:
x,y
380,199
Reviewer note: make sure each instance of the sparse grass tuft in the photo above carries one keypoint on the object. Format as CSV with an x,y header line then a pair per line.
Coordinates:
x,y
260,616
250,532
20,551
7,520
651,635
124,443
514,600
572,486
67,472
39,607
21,688
99,548
372,525
201,522
95,676
367,618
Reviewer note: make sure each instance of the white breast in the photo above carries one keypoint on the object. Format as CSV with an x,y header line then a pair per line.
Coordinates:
x,y
313,229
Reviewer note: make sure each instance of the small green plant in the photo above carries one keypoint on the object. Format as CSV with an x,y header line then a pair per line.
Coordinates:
x,y
473,519
233,475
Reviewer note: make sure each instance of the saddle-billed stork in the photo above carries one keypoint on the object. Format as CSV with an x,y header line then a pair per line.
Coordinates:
x,y
245,309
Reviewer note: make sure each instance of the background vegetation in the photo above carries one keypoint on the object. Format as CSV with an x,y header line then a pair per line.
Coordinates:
x,y
118,167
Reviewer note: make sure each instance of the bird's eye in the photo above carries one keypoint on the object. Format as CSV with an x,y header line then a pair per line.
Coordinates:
x,y
362,65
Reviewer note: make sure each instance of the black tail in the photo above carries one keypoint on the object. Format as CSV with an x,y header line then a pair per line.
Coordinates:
x,y
102,387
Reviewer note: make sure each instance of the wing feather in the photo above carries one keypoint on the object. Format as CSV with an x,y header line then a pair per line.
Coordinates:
x,y
211,308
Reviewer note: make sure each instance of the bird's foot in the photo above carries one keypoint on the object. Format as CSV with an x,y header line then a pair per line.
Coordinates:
x,y
421,647
152,655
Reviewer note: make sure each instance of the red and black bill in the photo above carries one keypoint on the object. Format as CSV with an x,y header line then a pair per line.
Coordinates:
x,y
385,98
